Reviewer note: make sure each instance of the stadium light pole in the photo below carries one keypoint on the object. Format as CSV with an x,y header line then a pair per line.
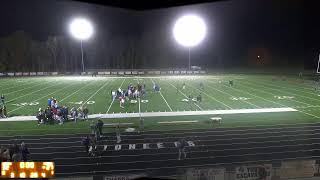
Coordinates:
x,y
189,31
81,29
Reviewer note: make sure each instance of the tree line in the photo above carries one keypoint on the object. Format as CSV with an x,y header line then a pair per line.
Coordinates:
x,y
20,52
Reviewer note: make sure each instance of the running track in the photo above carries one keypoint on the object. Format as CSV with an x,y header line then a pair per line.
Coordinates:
x,y
213,147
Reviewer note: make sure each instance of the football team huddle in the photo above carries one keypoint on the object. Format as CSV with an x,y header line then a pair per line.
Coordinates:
x,y
131,93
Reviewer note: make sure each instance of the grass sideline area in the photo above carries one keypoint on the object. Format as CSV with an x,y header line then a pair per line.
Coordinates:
x,y
25,95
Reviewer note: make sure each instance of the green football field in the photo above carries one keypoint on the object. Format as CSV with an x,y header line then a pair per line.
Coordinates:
x,y
250,93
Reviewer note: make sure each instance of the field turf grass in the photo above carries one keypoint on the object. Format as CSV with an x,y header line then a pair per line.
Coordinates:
x,y
24,96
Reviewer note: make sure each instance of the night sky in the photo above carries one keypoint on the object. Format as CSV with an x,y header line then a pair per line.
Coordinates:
x,y
236,29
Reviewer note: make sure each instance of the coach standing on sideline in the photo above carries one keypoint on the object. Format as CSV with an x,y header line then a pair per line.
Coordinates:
x,y
99,126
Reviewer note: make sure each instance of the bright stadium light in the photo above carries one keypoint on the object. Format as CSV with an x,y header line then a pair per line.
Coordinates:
x,y
81,29
189,31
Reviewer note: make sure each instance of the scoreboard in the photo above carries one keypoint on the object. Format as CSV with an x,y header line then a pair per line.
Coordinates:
x,y
27,170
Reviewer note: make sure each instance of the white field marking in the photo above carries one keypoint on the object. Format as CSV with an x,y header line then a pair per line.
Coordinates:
x,y
26,88
189,166
23,84
168,153
276,94
281,104
113,99
264,84
176,122
211,97
185,95
234,96
257,96
163,98
189,158
165,114
294,85
75,91
96,92
32,92
47,95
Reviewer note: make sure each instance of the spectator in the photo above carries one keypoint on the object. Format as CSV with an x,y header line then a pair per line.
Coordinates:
x,y
14,149
16,157
2,99
199,98
118,133
48,114
93,146
6,155
66,112
181,147
99,126
24,152
74,114
86,142
85,113
40,116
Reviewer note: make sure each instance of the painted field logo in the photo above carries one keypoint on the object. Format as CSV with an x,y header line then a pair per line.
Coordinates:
x,y
133,101
26,104
283,97
187,100
239,98
81,102
144,101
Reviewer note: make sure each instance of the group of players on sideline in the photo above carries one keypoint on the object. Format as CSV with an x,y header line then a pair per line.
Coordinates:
x,y
14,153
59,114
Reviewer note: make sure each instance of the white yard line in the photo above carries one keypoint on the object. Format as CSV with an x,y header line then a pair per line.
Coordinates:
x,y
265,85
108,81
47,95
26,88
276,95
259,97
32,92
165,114
280,103
19,86
163,97
234,96
211,97
75,92
185,96
113,99
293,86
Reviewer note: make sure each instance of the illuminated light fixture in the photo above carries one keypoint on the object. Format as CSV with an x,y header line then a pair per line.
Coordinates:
x,y
81,29
189,31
